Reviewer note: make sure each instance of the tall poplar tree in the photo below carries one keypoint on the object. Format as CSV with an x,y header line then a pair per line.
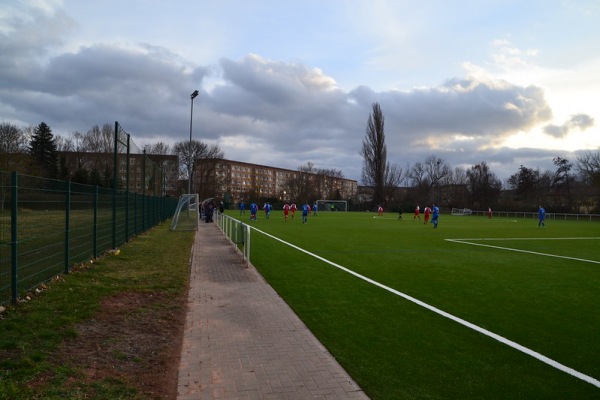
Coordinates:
x,y
374,154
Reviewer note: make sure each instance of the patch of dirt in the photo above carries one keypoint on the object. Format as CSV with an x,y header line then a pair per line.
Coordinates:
x,y
136,338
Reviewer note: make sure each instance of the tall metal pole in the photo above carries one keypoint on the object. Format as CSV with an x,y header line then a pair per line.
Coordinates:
x,y
193,96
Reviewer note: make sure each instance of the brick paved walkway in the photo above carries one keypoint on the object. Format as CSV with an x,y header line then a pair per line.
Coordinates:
x,y
242,341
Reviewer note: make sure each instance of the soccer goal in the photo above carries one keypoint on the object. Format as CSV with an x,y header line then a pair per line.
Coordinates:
x,y
187,214
332,205
462,211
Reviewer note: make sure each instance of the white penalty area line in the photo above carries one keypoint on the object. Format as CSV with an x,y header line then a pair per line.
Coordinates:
x,y
461,321
469,242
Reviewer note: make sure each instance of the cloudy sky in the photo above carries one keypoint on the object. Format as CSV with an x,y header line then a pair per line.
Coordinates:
x,y
284,83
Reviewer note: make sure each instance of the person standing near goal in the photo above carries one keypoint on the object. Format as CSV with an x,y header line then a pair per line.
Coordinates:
x,y
489,213
380,211
417,213
436,213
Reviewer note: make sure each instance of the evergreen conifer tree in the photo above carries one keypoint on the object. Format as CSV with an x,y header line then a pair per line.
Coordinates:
x,y
43,151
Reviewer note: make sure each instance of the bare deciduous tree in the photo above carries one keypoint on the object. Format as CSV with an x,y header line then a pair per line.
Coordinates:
x,y
201,160
484,186
13,144
160,148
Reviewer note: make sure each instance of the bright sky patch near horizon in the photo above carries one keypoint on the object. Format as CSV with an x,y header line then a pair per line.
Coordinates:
x,y
283,83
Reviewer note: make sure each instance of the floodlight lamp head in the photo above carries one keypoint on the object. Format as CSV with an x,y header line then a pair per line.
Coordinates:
x,y
194,94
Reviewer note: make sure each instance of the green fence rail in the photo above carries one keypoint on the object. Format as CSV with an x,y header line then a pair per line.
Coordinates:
x,y
47,226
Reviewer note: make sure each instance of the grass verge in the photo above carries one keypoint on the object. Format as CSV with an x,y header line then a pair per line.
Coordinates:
x,y
108,330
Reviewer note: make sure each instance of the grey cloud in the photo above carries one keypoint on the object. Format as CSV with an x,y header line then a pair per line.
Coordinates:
x,y
100,84
580,121
263,111
468,107
27,35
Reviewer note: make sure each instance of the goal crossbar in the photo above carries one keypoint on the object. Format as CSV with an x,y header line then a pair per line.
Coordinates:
x,y
462,211
332,205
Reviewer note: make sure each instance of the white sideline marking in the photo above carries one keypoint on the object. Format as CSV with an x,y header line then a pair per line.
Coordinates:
x,y
461,321
467,241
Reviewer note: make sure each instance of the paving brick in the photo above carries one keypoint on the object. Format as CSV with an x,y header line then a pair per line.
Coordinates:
x,y
242,341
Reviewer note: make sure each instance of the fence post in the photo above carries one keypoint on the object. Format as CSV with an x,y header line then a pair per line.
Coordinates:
x,y
14,234
144,192
127,193
67,222
95,228
114,189
247,244
135,213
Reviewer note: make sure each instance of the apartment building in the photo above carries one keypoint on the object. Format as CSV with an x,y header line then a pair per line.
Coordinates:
x,y
239,180
151,174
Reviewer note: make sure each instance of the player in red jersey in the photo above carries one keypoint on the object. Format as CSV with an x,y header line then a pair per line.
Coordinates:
x,y
427,213
286,211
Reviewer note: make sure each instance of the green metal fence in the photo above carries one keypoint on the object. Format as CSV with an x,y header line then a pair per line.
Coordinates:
x,y
47,226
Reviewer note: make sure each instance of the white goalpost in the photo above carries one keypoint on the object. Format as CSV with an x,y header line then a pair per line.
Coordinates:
x,y
187,214
462,211
332,205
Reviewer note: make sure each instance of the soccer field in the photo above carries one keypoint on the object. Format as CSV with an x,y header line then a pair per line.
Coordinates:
x,y
476,308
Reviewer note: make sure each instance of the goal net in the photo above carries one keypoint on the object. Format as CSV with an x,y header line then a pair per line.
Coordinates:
x,y
187,214
332,205
461,211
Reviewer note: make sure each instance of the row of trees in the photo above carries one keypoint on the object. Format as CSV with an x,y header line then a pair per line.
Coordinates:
x,y
311,183
36,151
571,187
37,142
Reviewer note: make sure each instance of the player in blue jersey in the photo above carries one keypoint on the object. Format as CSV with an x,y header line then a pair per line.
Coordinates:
x,y
435,213
305,211
267,209
541,217
242,208
253,211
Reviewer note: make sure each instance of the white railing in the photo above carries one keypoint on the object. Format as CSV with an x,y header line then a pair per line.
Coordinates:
x,y
534,215
236,231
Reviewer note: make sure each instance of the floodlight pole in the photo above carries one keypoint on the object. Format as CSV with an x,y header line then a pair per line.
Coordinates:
x,y
193,96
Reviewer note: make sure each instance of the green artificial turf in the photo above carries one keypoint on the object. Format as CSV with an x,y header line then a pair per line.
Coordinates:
x,y
396,349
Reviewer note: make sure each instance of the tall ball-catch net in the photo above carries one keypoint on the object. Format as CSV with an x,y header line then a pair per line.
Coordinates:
x,y
187,214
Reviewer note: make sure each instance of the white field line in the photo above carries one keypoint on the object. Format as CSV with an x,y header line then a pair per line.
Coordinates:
x,y
468,241
461,321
